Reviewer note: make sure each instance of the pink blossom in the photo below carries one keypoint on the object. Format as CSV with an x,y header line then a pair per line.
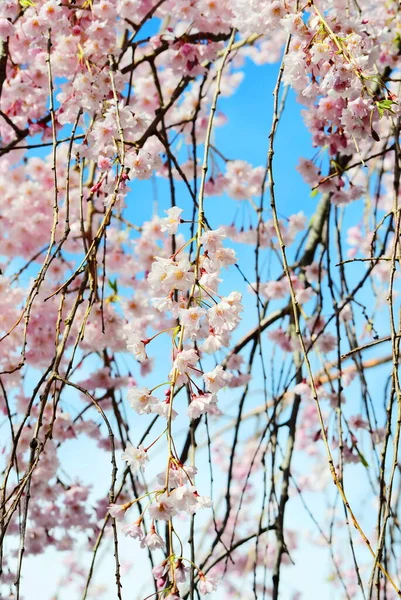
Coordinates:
x,y
201,404
226,314
171,222
134,530
308,171
167,275
181,572
212,239
152,540
208,584
141,400
273,290
135,457
137,347
160,570
116,510
163,508
190,318
185,359
215,380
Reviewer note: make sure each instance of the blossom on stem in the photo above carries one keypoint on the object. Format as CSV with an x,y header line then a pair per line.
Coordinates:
x,y
216,379
160,570
190,318
201,404
171,222
152,540
225,315
184,360
162,509
141,400
167,274
208,584
116,510
137,347
135,457
180,571
134,530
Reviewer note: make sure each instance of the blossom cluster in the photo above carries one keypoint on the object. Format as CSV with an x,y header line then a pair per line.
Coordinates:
x,y
188,291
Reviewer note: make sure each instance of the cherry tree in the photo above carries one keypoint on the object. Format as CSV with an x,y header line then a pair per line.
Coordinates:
x,y
229,364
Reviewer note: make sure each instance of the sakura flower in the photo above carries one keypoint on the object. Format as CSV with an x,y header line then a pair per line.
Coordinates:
x,y
163,304
208,584
158,274
235,361
163,509
226,314
346,313
137,347
153,541
163,410
282,338
309,171
326,342
212,240
203,501
243,180
237,380
116,510
190,318
349,456
274,289
103,10
141,400
215,341
216,379
304,295
210,282
142,163
201,404
147,366
171,222
6,29
335,399
316,324
135,457
179,275
167,274
225,257
178,475
34,26
197,407
297,222
320,51
181,572
303,389
103,162
160,570
134,530
185,359
49,12
187,499
314,272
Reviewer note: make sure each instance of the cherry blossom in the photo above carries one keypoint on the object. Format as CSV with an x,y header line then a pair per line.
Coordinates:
x,y
135,457
141,400
152,540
